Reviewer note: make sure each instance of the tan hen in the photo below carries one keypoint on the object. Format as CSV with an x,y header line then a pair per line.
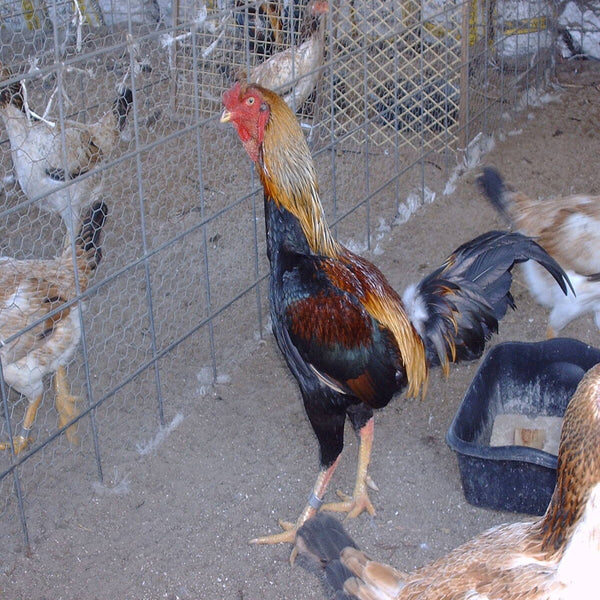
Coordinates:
x,y
39,329
553,558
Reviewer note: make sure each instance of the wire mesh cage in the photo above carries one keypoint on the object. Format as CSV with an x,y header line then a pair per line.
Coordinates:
x,y
394,72
405,78
509,50
118,103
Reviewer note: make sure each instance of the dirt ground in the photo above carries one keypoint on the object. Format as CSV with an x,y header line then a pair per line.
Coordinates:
x,y
175,523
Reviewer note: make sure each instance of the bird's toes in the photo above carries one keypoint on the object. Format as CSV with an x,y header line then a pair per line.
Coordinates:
x,y
20,443
371,483
286,536
352,505
360,505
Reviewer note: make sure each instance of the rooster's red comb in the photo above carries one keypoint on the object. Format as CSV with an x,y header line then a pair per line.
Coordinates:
x,y
232,96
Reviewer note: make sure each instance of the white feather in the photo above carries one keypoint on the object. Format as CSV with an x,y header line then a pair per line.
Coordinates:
x,y
415,308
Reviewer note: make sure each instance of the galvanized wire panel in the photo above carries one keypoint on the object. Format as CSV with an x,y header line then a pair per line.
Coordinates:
x,y
396,69
392,66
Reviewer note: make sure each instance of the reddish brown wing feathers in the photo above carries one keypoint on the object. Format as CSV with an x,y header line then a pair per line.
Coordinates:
x,y
338,321
333,322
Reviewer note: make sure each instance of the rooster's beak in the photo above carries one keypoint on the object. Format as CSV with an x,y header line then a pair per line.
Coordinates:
x,y
225,116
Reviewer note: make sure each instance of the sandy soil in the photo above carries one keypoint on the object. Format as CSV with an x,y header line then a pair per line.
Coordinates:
x,y
244,455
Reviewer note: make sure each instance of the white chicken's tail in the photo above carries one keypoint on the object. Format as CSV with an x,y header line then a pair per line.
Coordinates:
x,y
495,190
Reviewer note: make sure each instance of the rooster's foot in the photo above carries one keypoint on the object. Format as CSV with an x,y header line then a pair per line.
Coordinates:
x,y
288,535
353,505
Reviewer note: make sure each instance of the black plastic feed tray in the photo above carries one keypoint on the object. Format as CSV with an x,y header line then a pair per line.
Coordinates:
x,y
515,378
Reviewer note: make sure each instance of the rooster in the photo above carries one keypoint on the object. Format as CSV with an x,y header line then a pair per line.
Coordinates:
x,y
40,327
294,72
569,230
553,558
349,339
37,152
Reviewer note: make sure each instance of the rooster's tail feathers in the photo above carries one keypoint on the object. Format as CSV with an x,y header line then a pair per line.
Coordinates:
x,y
465,298
486,259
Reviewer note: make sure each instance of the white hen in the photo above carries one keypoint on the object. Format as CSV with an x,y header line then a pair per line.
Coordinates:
x,y
568,229
294,72
41,166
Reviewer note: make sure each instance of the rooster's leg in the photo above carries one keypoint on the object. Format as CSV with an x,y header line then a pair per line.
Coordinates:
x,y
311,509
359,501
23,439
66,404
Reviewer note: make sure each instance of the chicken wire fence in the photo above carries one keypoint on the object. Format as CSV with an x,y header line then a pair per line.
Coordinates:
x,y
179,294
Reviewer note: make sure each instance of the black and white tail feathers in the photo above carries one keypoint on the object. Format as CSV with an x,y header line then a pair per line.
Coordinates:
x,y
88,239
495,190
457,307
121,107
320,542
11,93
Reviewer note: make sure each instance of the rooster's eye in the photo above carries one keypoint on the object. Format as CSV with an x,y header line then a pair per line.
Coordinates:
x,y
250,100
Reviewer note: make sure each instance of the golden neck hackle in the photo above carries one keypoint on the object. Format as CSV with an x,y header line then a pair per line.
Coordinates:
x,y
289,178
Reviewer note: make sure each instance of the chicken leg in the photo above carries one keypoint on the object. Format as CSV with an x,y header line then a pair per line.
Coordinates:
x,y
354,505
22,440
312,508
66,404
357,503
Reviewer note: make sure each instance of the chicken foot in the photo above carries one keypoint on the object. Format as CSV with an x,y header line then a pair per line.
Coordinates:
x,y
21,441
312,508
359,501
353,505
66,404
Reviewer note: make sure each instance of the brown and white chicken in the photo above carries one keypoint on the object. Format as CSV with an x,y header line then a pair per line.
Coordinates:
x,y
553,558
40,322
294,72
568,228
59,179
